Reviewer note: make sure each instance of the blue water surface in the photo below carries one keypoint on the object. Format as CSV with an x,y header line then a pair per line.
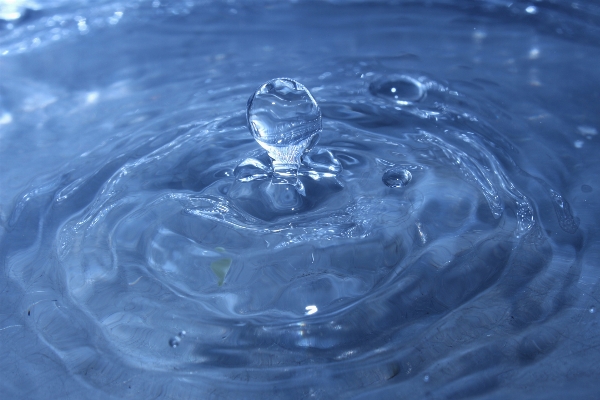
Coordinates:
x,y
446,244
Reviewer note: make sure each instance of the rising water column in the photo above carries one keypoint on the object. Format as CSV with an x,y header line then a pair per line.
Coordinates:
x,y
285,120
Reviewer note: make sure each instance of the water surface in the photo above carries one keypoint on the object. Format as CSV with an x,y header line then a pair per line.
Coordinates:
x,y
447,245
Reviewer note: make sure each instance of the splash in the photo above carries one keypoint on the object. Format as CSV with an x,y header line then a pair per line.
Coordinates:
x,y
285,120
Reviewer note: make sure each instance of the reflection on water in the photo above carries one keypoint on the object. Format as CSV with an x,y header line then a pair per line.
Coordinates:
x,y
443,244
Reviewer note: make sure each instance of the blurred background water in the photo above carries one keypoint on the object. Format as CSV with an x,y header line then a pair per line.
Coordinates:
x,y
452,252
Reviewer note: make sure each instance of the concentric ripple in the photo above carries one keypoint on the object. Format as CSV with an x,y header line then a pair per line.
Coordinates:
x,y
179,268
425,258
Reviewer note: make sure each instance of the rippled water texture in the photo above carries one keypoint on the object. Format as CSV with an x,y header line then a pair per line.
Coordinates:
x,y
445,246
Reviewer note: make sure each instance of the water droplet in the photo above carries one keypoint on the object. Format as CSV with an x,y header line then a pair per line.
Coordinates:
x,y
403,89
396,177
586,188
285,120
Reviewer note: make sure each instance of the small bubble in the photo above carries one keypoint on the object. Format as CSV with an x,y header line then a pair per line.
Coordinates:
x,y
403,89
578,144
586,188
592,310
426,378
396,177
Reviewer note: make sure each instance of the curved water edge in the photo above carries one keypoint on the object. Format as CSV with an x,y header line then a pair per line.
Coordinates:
x,y
153,265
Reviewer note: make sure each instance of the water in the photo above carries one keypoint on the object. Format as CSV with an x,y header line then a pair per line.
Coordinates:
x,y
396,177
285,120
439,241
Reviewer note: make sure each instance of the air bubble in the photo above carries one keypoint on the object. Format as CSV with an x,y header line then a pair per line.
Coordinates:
x,y
285,120
396,177
401,88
